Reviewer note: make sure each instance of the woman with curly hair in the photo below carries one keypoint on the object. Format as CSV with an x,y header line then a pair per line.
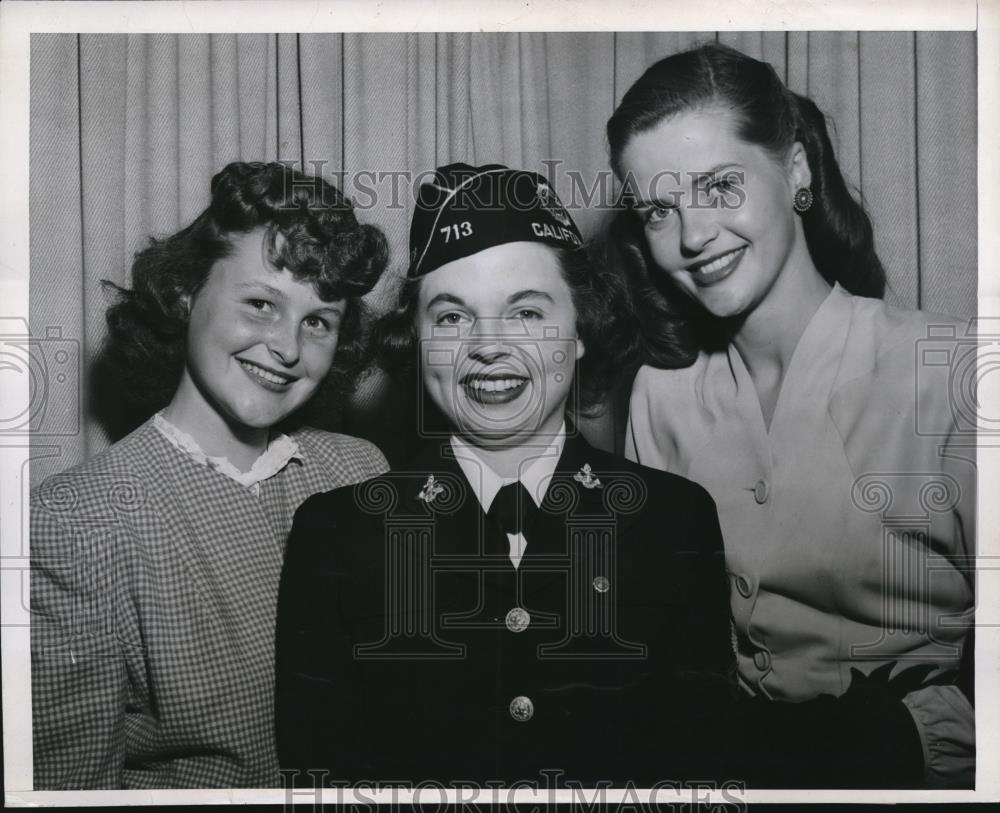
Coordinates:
x,y
511,601
776,377
155,564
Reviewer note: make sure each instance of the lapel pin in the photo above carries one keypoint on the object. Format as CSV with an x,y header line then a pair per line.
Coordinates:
x,y
431,491
587,478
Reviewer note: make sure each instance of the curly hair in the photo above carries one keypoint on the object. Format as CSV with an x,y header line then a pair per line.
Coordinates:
x,y
837,229
140,364
600,297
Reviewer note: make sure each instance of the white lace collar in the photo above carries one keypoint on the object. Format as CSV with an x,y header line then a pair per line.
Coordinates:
x,y
280,451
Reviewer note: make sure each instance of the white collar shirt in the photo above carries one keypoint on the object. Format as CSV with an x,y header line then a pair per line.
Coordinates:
x,y
535,474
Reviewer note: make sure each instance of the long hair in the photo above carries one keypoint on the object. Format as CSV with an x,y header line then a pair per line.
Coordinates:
x,y
837,229
140,364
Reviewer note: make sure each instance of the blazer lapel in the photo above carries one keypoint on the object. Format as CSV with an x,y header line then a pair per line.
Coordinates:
x,y
568,502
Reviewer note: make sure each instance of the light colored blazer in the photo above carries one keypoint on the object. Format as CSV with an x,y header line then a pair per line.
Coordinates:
x,y
154,584
849,524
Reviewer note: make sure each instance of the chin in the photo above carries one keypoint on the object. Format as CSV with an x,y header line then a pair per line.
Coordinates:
x,y
724,304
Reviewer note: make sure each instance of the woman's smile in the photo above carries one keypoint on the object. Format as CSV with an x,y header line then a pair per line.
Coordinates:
x,y
500,388
709,272
267,378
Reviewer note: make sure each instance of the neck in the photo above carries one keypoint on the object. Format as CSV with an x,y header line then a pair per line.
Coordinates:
x,y
766,337
190,412
507,459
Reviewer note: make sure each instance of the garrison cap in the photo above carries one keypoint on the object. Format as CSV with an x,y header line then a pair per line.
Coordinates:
x,y
464,209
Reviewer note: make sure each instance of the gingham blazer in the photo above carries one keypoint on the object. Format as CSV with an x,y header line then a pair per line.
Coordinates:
x,y
154,584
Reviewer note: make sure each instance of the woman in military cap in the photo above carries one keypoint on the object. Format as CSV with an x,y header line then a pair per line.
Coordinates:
x,y
512,601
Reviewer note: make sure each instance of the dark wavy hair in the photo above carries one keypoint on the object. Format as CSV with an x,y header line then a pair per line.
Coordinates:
x,y
139,366
600,298
837,229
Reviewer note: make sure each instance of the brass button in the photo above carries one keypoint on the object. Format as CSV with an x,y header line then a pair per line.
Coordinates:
x,y
760,491
522,709
601,584
744,586
762,660
517,619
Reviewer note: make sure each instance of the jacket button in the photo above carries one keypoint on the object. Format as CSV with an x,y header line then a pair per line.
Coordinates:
x,y
517,619
601,584
744,586
760,492
522,709
762,660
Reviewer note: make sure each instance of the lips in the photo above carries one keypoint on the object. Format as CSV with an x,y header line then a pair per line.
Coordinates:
x,y
267,378
709,272
497,388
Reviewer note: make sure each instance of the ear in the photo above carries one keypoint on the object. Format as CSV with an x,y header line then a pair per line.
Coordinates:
x,y
799,174
185,301
580,349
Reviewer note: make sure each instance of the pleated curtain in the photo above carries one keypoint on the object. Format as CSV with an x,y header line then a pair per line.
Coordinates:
x,y
127,130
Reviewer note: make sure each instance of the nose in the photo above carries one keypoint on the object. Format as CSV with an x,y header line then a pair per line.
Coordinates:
x,y
698,229
283,342
487,339
488,353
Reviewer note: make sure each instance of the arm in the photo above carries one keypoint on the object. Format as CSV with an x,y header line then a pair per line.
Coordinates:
x,y
78,675
313,659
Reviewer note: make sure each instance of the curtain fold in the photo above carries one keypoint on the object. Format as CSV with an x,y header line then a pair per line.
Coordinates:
x,y
127,130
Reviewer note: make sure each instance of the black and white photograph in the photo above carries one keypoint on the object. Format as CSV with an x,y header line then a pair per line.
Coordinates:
x,y
474,405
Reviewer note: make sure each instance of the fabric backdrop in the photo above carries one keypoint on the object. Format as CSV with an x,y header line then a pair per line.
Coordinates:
x,y
127,130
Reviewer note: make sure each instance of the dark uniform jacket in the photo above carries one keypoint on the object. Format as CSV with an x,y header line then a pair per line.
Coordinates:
x,y
398,656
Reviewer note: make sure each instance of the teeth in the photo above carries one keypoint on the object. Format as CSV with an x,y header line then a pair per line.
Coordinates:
x,y
719,262
267,375
495,384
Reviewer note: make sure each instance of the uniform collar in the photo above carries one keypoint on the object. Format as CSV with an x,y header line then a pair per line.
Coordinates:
x,y
535,472
281,450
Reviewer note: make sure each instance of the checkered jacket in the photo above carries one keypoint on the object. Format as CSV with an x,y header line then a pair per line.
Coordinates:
x,y
154,584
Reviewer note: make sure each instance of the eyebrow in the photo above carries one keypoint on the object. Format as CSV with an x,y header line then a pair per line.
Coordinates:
x,y
528,294
262,286
519,296
699,176
716,169
446,298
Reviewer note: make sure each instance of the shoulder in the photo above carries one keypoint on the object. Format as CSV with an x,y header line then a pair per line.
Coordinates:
x,y
107,497
673,382
662,490
896,349
348,459
123,470
886,327
671,409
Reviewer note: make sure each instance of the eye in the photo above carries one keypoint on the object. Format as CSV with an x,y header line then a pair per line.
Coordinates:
x,y
657,213
316,324
451,318
261,305
725,184
528,313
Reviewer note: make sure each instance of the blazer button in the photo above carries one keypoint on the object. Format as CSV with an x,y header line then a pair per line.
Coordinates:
x,y
743,586
760,491
601,584
517,619
522,709
762,660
